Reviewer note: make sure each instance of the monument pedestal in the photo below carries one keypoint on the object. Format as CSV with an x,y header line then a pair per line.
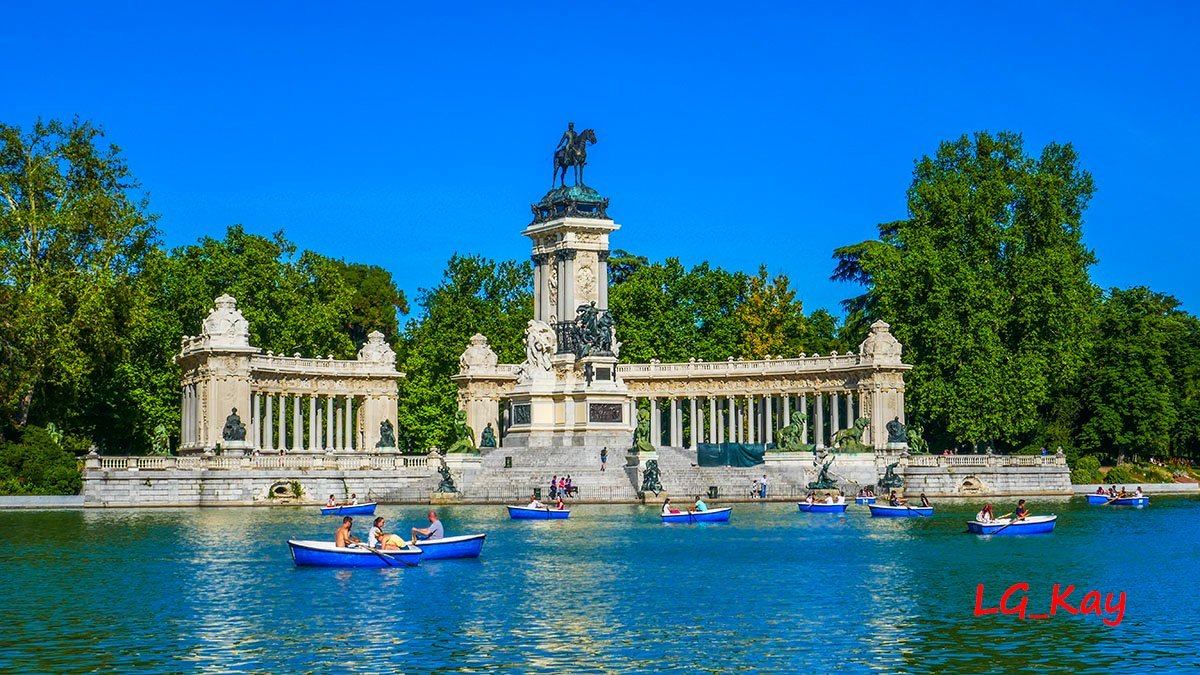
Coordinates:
x,y
580,402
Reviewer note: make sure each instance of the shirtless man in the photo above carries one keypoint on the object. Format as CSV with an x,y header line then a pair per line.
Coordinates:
x,y
342,538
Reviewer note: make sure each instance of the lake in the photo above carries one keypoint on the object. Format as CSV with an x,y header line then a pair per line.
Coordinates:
x,y
611,589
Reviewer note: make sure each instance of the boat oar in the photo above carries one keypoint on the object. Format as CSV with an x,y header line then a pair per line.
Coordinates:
x,y
1004,527
915,511
386,558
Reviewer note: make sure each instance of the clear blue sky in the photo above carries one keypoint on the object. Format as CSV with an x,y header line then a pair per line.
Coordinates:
x,y
399,133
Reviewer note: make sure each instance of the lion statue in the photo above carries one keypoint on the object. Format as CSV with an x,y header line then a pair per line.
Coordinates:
x,y
850,440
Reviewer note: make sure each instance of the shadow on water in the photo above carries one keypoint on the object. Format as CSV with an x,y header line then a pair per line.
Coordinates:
x,y
612,588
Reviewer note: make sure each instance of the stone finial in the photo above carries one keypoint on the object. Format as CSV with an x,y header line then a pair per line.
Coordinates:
x,y
225,326
478,355
377,350
880,343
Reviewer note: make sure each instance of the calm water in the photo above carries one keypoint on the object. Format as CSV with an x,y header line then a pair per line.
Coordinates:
x,y
610,589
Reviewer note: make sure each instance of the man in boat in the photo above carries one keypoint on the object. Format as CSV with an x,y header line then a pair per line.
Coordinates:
x,y
353,500
1022,511
700,505
894,500
1138,492
342,538
434,531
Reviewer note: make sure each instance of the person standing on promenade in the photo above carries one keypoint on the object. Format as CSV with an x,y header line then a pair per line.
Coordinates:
x,y
603,457
763,487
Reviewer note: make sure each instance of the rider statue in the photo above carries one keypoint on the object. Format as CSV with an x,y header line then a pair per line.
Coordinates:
x,y
567,142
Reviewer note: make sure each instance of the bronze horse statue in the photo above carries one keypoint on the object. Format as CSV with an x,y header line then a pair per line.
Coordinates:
x,y
573,155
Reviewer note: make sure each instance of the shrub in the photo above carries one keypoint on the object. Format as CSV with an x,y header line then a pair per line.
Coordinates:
x,y
34,464
1138,473
1086,471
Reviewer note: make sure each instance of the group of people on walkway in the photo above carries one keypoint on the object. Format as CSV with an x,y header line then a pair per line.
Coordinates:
x,y
560,486
377,538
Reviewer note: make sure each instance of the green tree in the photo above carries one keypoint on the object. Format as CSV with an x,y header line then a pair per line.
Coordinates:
x,y
476,295
34,463
74,232
376,302
985,283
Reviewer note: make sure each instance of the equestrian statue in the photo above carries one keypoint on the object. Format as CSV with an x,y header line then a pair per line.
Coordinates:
x,y
571,151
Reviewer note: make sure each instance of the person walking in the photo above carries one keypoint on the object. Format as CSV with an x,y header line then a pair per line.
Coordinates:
x,y
603,457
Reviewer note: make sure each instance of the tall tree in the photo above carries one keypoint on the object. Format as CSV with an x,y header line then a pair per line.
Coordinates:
x,y
376,302
986,284
476,295
74,231
773,321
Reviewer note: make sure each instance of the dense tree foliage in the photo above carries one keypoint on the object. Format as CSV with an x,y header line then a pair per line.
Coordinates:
x,y
986,284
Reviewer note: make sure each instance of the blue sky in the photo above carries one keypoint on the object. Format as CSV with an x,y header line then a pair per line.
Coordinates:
x,y
740,133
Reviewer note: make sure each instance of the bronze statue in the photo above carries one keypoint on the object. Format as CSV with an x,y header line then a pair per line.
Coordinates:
x,y
896,431
850,440
488,438
823,481
641,435
234,430
464,436
447,483
387,435
890,479
790,437
594,329
571,151
650,482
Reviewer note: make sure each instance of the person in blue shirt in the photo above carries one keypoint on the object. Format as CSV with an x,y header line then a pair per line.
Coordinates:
x,y
434,531
700,505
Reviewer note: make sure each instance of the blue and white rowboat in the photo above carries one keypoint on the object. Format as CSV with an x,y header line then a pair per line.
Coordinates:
x,y
465,546
720,515
1100,500
1031,525
886,511
349,510
327,554
864,500
544,513
823,508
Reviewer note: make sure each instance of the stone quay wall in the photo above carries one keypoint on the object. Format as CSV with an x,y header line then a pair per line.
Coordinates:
x,y
248,481
985,475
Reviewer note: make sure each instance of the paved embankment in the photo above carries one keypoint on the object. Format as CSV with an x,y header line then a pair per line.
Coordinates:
x,y
41,502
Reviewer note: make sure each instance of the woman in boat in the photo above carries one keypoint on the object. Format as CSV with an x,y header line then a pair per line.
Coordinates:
x,y
810,499
1100,490
667,509
535,503
924,500
985,514
375,533
1138,492
558,504
353,499
331,503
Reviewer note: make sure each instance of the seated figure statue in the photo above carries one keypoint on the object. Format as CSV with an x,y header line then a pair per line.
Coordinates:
x,y
641,435
488,438
234,430
464,436
387,435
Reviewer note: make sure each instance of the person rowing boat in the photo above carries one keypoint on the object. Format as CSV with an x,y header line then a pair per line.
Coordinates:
x,y
342,538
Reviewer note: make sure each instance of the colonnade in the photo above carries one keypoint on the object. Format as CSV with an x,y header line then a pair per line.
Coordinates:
x,y
683,421
331,421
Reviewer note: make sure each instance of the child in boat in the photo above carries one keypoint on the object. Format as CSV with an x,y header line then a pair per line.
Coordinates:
x,y
985,515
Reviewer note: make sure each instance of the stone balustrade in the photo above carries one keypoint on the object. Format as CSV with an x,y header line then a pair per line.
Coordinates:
x,y
984,460
345,462
281,364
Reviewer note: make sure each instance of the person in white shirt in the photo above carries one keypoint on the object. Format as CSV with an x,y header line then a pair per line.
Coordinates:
x,y
828,499
353,500
666,509
534,503
375,533
985,514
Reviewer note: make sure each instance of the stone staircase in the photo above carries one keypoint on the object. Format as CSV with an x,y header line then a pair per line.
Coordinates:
x,y
532,468
786,479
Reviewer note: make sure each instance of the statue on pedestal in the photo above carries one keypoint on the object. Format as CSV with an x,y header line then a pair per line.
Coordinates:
x,y
595,329
641,435
890,479
823,481
447,483
790,437
464,436
488,438
571,152
650,482
850,440
916,444
897,432
234,430
540,345
387,435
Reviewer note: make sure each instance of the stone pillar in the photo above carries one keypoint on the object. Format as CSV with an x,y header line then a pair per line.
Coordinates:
x,y
834,419
713,423
348,425
655,423
283,444
269,425
787,410
803,410
849,409
329,423
337,430
602,279
769,402
819,413
731,421
297,425
673,411
751,418
539,285
255,421
697,424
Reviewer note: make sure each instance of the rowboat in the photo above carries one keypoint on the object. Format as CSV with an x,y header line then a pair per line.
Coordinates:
x,y
327,554
864,500
720,515
823,508
1119,501
349,510
544,513
465,546
1030,525
886,511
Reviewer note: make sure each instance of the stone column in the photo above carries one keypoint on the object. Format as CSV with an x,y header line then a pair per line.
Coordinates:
x,y
803,410
787,410
283,443
751,418
770,403
834,420
655,423
337,430
539,285
269,424
673,411
255,421
697,424
602,279
849,409
329,423
713,423
348,428
297,425
819,413
731,421
312,423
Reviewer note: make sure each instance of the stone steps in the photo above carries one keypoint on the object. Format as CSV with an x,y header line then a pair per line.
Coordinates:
x,y
533,467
